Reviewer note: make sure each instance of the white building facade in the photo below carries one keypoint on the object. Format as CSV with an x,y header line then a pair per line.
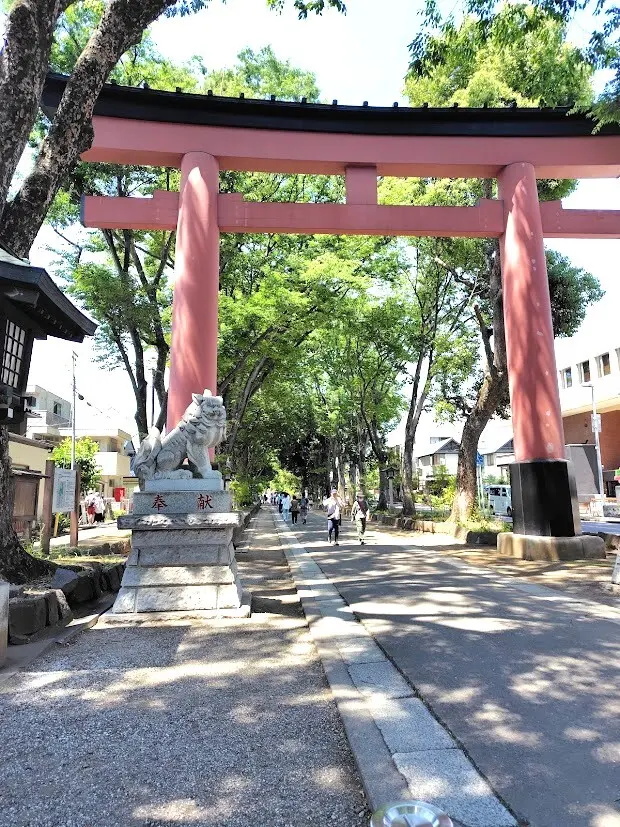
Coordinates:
x,y
589,372
51,421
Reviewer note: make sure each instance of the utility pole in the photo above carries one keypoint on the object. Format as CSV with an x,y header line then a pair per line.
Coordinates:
x,y
73,358
596,429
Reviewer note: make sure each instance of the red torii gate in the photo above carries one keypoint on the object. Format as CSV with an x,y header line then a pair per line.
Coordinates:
x,y
203,134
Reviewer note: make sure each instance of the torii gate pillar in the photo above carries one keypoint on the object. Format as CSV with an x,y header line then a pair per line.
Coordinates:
x,y
544,497
193,352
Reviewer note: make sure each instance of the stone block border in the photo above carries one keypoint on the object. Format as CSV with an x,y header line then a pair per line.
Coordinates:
x,y
30,615
473,538
246,516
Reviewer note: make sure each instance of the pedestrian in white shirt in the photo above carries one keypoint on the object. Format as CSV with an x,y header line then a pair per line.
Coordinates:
x,y
286,506
334,506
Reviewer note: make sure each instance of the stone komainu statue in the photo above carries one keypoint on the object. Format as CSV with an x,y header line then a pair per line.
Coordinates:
x,y
202,426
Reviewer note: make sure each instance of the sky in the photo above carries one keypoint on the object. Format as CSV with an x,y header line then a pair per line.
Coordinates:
x,y
359,56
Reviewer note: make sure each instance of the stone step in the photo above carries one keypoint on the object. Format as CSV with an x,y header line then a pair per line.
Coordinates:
x,y
179,575
177,598
222,554
181,502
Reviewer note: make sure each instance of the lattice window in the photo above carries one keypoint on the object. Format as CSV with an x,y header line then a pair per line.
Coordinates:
x,y
13,354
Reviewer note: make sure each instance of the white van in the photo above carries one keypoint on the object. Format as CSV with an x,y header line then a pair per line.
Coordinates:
x,y
499,499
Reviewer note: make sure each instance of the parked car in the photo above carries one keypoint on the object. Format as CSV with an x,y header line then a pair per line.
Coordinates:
x,y
499,499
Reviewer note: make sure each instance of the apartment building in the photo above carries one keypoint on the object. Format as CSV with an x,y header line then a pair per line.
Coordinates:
x,y
50,421
589,373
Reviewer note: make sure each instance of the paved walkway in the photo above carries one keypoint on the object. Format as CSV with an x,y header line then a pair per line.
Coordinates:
x,y
221,723
525,678
87,533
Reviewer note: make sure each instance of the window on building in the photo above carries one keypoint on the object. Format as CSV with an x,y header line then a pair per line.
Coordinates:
x,y
566,377
489,459
584,371
603,365
13,355
57,408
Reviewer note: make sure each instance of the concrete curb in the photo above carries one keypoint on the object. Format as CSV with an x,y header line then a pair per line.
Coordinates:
x,y
400,748
381,780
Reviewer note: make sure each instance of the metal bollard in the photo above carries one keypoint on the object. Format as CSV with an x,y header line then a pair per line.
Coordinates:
x,y
410,814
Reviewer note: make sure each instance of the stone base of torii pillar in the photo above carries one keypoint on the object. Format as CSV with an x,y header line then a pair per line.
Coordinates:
x,y
182,555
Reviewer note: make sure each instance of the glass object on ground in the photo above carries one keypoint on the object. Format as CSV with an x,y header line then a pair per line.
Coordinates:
x,y
410,814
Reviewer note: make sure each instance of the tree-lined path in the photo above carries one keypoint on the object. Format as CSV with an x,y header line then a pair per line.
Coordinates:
x,y
526,678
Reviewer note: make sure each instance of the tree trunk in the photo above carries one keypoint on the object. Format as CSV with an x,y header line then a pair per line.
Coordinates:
x,y
407,481
24,60
16,565
493,393
71,132
382,505
416,406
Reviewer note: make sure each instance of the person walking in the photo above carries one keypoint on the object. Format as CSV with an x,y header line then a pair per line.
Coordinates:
x,y
359,515
294,509
286,506
303,508
90,507
334,506
99,508
280,501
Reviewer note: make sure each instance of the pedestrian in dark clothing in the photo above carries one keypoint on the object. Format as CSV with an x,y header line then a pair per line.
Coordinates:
x,y
294,509
359,515
303,508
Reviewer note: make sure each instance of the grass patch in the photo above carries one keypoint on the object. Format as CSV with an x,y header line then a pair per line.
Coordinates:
x,y
75,555
77,559
483,524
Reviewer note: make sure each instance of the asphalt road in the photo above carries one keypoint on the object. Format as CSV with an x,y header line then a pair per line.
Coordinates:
x,y
607,527
527,680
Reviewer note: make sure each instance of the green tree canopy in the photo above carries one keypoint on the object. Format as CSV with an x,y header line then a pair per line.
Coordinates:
x,y
85,460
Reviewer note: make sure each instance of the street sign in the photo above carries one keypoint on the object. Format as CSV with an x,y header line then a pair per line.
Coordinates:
x,y
596,423
63,497
479,460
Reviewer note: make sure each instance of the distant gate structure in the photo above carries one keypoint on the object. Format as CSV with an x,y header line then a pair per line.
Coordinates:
x,y
203,134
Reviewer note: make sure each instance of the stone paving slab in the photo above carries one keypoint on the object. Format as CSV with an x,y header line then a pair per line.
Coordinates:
x,y
448,780
354,643
379,680
408,726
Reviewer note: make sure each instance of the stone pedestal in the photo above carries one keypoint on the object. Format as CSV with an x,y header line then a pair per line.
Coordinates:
x,y
533,547
182,559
